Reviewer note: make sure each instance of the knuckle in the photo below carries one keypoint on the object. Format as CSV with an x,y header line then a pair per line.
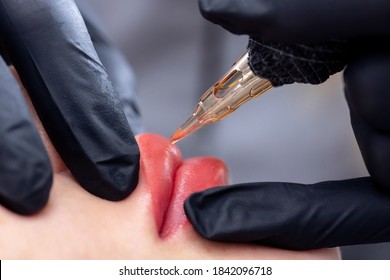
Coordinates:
x,y
29,194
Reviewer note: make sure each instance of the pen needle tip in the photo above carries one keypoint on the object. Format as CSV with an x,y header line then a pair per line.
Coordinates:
x,y
177,136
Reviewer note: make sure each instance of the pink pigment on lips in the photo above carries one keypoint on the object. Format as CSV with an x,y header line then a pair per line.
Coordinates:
x,y
170,180
195,174
159,162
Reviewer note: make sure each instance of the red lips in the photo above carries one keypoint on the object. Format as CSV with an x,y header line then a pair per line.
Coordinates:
x,y
171,180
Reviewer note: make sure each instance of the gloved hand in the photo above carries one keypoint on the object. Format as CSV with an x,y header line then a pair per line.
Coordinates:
x,y
300,20
327,214
50,47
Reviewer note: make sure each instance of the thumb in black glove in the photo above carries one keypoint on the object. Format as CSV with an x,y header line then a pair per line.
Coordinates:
x,y
293,216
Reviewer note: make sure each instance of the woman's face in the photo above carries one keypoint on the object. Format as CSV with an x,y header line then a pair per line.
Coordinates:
x,y
149,224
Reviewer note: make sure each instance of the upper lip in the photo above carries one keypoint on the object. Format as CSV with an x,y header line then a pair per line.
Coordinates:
x,y
159,163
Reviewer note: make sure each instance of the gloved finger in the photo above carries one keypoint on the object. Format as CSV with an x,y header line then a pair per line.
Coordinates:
x,y
3,55
367,91
300,20
25,169
293,216
50,47
119,71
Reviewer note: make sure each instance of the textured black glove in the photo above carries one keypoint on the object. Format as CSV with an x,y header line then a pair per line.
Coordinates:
x,y
326,214
51,49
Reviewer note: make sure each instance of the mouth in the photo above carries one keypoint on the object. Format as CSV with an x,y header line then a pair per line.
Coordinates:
x,y
171,180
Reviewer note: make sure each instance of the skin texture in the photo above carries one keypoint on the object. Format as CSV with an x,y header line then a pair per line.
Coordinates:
x,y
149,224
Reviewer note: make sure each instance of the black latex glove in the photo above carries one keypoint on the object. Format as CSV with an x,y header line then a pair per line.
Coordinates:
x,y
119,71
327,214
51,49
300,20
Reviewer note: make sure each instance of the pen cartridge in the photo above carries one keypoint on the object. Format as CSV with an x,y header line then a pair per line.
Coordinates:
x,y
236,87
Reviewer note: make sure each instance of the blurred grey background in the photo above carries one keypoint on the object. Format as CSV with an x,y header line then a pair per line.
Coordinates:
x,y
296,133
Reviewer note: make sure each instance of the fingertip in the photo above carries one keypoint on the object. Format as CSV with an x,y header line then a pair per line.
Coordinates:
x,y
26,192
125,181
112,179
206,213
192,210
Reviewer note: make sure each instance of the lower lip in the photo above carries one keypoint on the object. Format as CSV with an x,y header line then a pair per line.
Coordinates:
x,y
193,175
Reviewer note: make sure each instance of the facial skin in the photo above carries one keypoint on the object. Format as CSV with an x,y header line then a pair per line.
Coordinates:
x,y
149,224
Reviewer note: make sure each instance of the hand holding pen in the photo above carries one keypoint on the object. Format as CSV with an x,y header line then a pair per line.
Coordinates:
x,y
326,214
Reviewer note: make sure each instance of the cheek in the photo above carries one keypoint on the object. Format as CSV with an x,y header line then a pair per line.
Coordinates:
x,y
193,175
